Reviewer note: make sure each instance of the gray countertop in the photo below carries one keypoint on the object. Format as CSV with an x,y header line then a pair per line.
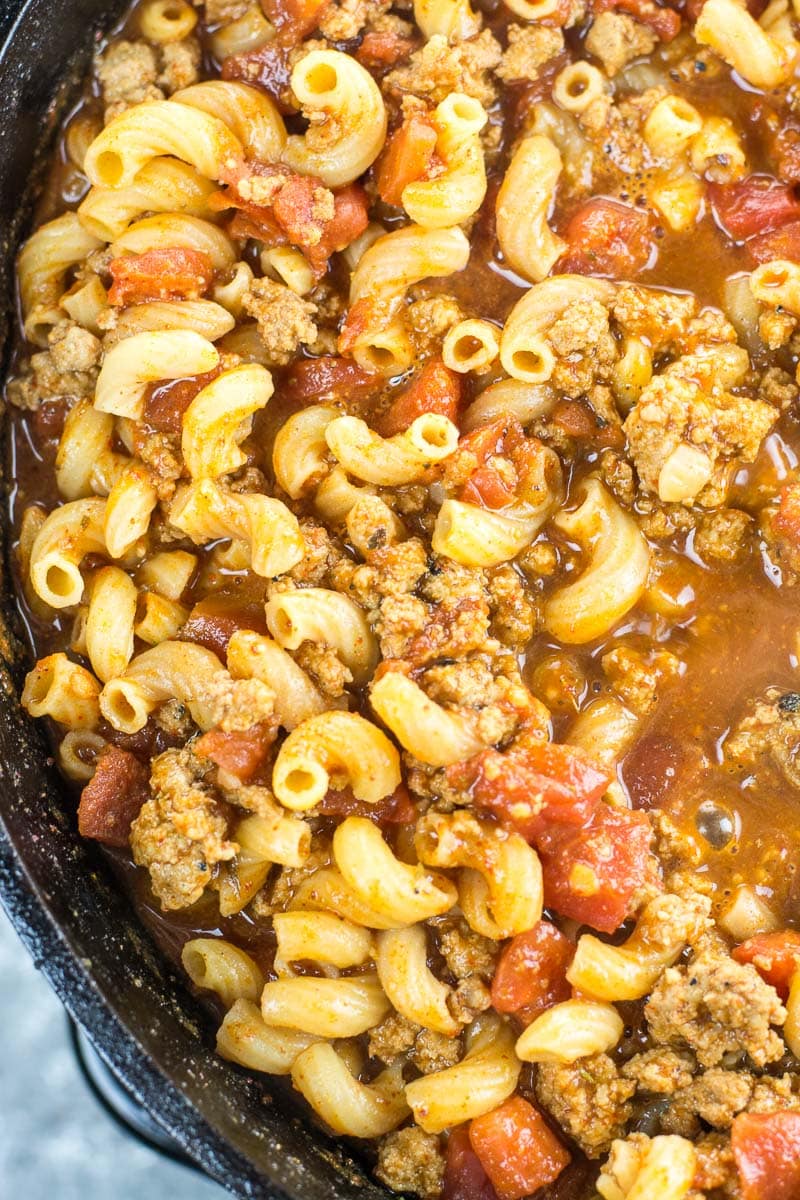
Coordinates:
x,y
55,1138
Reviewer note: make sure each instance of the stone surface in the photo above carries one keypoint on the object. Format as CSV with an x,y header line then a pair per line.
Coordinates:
x,y
55,1138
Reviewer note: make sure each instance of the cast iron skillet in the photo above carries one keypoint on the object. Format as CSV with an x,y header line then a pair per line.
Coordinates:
x,y
56,888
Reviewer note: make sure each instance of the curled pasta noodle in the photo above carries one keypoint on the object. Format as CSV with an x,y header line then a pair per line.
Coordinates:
x,y
571,1030
161,127
250,31
66,537
329,618
85,302
665,1167
300,453
327,890
276,838
166,21
391,461
60,689
451,19
405,894
458,192
423,727
347,114
410,984
42,266
679,200
337,496
616,574
604,729
380,279
529,245
220,417
144,358
85,442
347,1106
162,185
248,112
203,317
221,967
509,867
484,1078
729,29
158,619
169,573
339,745
251,656
577,86
78,752
331,1008
777,284
109,622
717,151
244,1038
471,345
128,510
289,266
321,938
509,398
671,126
628,972
791,1026
230,293
166,230
271,532
533,10
524,349
180,671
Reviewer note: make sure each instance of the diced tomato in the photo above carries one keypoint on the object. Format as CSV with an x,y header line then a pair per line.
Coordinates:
x,y
436,389
787,518
592,874
172,273
776,957
664,22
605,237
383,48
464,1177
517,1149
504,457
751,206
165,403
766,1149
579,421
112,798
292,213
214,620
780,243
396,809
531,974
266,67
298,17
240,752
531,787
407,157
330,379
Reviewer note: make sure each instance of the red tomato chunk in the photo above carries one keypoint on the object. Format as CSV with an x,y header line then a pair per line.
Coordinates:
x,y
755,205
607,238
766,1147
174,273
112,798
776,957
592,874
530,788
436,389
464,1177
532,972
241,752
517,1149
